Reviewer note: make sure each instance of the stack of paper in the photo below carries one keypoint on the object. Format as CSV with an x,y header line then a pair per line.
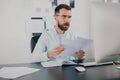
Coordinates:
x,y
15,72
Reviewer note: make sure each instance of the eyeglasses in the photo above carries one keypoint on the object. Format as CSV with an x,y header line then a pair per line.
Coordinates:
x,y
64,16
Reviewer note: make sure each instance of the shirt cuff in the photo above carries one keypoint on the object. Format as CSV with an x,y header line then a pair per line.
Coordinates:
x,y
40,57
44,57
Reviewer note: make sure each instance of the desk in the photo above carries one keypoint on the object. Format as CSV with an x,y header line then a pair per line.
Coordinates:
x,y
107,72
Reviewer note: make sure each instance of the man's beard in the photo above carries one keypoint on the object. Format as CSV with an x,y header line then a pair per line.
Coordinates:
x,y
64,27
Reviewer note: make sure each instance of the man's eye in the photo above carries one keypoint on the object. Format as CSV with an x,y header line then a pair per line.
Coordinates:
x,y
69,16
64,16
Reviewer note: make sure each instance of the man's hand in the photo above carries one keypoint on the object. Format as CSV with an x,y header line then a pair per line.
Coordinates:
x,y
80,54
55,51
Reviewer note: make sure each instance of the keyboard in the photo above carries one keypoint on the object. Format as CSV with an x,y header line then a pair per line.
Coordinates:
x,y
90,64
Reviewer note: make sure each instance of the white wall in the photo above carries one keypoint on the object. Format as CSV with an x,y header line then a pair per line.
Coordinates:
x,y
15,40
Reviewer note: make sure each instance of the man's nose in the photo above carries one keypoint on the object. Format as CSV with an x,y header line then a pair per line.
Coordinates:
x,y
67,19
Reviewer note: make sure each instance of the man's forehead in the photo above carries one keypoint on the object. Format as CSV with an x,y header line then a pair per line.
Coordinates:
x,y
65,11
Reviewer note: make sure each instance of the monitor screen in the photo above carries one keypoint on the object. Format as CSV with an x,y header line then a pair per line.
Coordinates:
x,y
105,28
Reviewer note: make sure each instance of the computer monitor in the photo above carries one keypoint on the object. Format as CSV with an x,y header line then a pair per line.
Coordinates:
x,y
105,26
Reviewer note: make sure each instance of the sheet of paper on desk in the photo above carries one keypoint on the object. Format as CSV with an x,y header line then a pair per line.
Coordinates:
x,y
51,64
71,46
15,72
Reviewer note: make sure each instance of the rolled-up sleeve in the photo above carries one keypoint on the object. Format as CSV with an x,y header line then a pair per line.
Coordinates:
x,y
40,54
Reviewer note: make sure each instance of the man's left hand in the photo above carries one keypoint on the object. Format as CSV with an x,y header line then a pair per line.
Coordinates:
x,y
80,54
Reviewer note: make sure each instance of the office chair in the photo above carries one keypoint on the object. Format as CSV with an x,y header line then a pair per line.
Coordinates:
x,y
36,36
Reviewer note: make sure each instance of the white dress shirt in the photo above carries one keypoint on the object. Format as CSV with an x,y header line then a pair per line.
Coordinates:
x,y
48,40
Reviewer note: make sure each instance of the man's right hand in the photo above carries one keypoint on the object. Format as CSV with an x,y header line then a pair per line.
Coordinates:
x,y
55,51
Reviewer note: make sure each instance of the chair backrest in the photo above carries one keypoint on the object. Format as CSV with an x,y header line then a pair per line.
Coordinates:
x,y
34,40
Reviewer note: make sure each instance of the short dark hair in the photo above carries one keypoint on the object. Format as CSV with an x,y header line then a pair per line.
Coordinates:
x,y
60,6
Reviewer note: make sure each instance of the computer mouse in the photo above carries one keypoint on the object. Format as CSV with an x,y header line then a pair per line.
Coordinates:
x,y
118,67
80,68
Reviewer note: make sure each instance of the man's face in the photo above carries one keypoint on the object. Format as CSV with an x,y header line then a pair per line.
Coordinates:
x,y
63,19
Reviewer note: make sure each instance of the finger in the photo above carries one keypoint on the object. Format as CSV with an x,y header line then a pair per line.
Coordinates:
x,y
58,50
81,51
58,46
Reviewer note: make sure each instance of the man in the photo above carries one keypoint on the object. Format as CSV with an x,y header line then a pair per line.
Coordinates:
x,y
48,45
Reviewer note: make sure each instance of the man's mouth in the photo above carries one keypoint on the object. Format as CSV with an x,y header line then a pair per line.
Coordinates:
x,y
66,24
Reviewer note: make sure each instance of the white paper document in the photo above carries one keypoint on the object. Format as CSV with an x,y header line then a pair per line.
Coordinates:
x,y
15,72
71,46
57,62
51,64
